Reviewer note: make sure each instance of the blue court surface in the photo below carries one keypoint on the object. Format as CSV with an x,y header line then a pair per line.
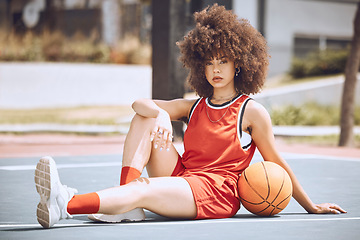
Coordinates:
x,y
325,179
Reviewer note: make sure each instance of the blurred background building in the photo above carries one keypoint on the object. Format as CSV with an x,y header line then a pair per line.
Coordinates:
x,y
291,27
294,28
133,43
111,19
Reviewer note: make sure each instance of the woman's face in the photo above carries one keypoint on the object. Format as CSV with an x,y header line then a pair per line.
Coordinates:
x,y
220,72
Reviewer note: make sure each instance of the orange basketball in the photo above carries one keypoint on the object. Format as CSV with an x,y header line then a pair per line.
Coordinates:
x,y
265,188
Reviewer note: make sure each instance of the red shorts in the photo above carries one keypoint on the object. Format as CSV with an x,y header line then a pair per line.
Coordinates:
x,y
211,201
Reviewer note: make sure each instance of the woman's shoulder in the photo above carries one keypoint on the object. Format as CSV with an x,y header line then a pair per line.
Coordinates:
x,y
255,112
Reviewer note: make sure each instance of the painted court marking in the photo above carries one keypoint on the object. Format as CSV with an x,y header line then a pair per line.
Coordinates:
x,y
195,222
295,156
287,156
59,166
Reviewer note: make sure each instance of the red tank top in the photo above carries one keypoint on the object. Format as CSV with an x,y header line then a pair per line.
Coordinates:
x,y
214,142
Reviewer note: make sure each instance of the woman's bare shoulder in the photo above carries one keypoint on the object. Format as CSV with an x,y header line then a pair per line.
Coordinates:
x,y
255,109
256,114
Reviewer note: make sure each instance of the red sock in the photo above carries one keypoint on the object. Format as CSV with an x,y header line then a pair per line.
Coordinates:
x,y
84,204
128,174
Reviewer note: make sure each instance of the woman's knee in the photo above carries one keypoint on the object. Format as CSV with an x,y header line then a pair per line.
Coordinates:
x,y
141,121
140,188
171,197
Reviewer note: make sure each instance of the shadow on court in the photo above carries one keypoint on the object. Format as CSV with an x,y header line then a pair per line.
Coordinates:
x,y
325,179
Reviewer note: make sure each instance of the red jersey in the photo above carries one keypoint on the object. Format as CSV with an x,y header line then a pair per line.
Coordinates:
x,y
216,152
213,139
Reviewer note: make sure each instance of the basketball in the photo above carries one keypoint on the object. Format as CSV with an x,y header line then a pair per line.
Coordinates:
x,y
265,188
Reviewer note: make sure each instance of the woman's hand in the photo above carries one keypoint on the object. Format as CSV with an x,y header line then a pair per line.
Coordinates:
x,y
328,208
162,132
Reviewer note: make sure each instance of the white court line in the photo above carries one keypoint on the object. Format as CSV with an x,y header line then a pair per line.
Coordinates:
x,y
195,222
59,166
307,156
287,156
296,156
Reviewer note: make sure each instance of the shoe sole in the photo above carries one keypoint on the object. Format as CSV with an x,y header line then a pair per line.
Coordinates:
x,y
104,220
43,187
132,216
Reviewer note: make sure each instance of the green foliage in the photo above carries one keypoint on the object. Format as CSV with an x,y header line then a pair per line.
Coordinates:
x,y
310,114
55,47
319,63
327,140
100,115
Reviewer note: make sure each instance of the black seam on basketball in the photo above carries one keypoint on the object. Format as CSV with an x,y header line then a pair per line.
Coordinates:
x,y
244,174
271,203
267,180
263,209
283,201
271,213
282,185
252,202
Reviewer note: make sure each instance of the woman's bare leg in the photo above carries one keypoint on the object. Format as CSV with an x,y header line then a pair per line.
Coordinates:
x,y
166,196
139,150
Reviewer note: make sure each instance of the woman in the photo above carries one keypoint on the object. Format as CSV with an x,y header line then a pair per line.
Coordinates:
x,y
228,60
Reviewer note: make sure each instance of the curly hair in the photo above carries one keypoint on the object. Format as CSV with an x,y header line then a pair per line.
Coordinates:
x,y
217,31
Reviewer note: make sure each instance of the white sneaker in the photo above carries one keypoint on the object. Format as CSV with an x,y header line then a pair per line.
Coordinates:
x,y
54,196
134,215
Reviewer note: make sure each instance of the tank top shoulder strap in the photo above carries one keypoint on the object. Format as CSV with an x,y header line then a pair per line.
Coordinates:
x,y
193,108
241,114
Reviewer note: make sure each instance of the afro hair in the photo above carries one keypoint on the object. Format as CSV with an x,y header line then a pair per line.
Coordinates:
x,y
217,31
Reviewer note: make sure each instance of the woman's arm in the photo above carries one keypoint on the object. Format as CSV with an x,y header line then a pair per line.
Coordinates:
x,y
164,112
176,109
258,119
